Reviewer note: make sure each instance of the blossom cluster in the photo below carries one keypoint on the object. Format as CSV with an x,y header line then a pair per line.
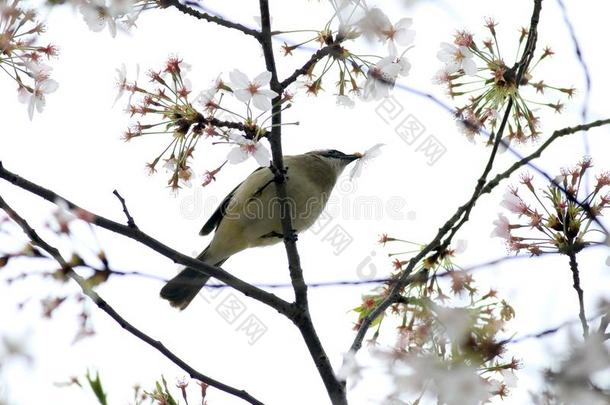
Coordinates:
x,y
21,56
358,73
481,74
170,108
552,221
446,326
576,379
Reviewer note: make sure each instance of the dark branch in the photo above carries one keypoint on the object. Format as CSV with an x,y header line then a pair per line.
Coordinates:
x,y
104,306
133,233
580,294
211,18
315,58
556,135
130,222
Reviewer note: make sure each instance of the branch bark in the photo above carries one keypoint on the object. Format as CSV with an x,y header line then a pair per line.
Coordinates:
x,y
108,309
210,18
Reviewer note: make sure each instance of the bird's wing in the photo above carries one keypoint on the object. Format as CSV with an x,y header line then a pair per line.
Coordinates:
x,y
219,213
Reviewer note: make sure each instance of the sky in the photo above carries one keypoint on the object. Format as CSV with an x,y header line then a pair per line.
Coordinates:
x,y
74,148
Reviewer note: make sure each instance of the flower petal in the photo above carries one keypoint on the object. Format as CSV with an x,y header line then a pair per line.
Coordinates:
x,y
237,155
261,155
239,79
49,86
242,95
262,79
469,66
261,102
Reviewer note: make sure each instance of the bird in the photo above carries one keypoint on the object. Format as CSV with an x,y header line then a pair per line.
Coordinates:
x,y
249,216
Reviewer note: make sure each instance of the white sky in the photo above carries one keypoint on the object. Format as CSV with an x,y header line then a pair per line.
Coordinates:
x,y
74,149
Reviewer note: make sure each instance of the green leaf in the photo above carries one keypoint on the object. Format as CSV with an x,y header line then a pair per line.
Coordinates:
x,y
96,387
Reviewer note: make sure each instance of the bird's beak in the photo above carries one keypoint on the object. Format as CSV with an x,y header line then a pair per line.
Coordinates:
x,y
354,156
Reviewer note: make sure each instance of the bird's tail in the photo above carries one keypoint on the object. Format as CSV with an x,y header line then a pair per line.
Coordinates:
x,y
181,290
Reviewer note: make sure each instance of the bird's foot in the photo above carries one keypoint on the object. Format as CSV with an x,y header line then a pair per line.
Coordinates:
x,y
279,175
292,237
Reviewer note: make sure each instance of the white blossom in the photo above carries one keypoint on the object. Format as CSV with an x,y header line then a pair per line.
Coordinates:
x,y
382,76
170,165
502,227
35,98
456,58
245,148
366,157
373,24
350,369
345,101
399,34
98,14
513,203
457,384
245,89
121,81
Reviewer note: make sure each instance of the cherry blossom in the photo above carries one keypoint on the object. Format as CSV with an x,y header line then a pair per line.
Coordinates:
x,y
98,14
374,23
502,228
513,203
399,34
247,90
245,148
345,101
456,58
382,76
365,158
35,98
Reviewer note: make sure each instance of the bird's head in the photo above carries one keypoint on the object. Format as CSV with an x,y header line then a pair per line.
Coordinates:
x,y
336,159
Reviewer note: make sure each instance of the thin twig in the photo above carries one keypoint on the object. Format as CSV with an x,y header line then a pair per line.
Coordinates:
x,y
543,333
580,293
130,222
315,58
211,18
104,306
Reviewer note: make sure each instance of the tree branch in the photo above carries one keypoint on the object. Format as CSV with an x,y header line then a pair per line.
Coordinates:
x,y
104,306
556,135
210,18
130,222
315,58
136,234
302,318
580,293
